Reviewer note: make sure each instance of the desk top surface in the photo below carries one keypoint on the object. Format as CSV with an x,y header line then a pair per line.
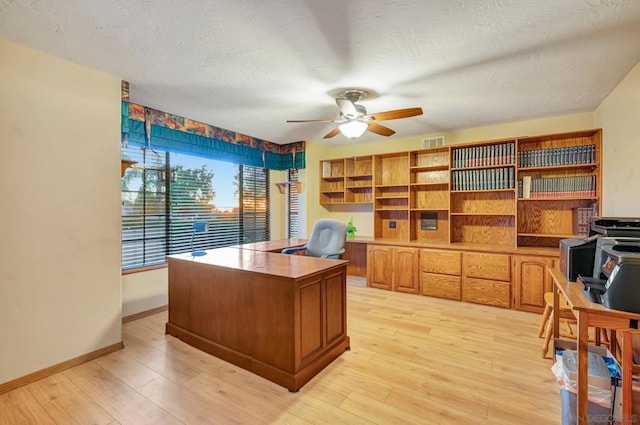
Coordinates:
x,y
260,262
578,300
272,246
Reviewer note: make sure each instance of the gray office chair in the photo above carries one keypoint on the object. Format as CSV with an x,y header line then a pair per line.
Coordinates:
x,y
327,240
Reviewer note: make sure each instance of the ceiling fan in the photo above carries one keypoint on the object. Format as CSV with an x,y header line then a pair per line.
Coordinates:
x,y
354,120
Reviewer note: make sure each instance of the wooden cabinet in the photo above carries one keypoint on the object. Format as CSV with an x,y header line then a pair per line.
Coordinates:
x,y
487,279
405,270
391,196
429,195
346,180
485,198
359,180
393,268
483,193
560,181
440,273
531,282
528,191
332,181
380,266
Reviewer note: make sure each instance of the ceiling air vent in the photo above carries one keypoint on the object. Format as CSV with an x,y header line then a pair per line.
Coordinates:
x,y
432,142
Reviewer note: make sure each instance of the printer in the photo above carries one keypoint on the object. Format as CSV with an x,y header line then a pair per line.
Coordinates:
x,y
578,255
618,285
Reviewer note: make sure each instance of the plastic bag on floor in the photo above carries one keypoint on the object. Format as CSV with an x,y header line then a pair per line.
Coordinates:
x,y
597,395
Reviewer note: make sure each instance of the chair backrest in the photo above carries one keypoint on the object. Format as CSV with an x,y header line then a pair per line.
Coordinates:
x,y
328,236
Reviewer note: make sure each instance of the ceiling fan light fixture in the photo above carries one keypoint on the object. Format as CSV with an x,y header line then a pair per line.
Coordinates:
x,y
353,129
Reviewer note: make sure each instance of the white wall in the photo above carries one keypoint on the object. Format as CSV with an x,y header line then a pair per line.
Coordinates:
x,y
60,286
619,117
144,291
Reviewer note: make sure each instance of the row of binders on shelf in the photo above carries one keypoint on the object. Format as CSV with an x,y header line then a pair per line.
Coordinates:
x,y
557,187
481,156
485,179
582,216
570,155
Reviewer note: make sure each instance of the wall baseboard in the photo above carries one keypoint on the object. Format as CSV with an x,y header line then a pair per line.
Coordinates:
x,y
36,376
145,313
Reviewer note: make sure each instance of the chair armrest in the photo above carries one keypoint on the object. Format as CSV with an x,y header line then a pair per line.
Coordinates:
x,y
293,249
334,255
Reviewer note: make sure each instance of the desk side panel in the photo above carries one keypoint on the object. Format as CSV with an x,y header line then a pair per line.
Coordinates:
x,y
213,303
179,295
222,307
336,307
274,322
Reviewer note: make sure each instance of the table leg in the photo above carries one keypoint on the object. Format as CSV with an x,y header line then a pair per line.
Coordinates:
x,y
583,384
556,318
613,343
627,371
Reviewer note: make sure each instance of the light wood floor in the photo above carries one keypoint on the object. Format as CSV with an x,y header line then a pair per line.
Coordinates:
x,y
414,360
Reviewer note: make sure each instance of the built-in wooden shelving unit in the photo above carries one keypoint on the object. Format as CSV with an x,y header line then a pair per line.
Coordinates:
x,y
527,191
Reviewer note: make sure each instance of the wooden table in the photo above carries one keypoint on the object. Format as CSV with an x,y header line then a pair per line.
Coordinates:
x,y
589,314
283,317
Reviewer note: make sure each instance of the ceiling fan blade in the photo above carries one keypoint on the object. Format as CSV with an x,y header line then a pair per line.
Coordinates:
x,y
310,120
347,108
395,114
379,129
332,133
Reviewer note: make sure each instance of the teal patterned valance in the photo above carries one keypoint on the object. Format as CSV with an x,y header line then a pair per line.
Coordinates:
x,y
142,126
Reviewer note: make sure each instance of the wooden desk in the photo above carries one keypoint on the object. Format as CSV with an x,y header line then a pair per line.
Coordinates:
x,y
283,317
592,314
272,246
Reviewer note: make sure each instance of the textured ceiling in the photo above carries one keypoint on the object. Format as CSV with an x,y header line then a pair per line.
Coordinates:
x,y
250,65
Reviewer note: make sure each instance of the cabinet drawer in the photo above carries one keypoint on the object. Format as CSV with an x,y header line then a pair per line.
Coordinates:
x,y
487,266
443,286
442,262
489,292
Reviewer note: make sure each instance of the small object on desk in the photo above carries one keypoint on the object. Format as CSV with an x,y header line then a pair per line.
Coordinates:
x,y
198,227
351,230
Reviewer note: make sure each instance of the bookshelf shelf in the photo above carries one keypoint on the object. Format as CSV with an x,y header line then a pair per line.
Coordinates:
x,y
392,197
391,186
558,167
429,184
484,191
587,198
440,167
482,214
472,193
548,235
483,167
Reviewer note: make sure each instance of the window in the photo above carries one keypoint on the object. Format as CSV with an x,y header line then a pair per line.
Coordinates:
x,y
164,193
292,205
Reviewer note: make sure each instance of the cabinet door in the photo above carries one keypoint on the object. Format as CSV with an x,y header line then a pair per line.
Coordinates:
x,y
405,270
379,267
532,281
